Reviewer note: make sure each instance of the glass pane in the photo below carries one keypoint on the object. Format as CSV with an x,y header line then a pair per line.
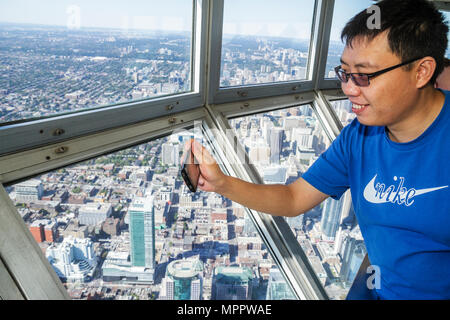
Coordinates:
x,y
63,56
343,12
282,145
125,226
343,109
264,44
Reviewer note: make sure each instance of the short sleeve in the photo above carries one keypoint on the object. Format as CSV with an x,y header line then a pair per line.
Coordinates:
x,y
329,173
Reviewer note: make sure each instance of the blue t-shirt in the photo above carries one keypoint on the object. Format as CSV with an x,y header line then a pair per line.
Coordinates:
x,y
401,194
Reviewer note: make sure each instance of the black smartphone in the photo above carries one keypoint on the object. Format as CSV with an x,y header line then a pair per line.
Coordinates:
x,y
190,170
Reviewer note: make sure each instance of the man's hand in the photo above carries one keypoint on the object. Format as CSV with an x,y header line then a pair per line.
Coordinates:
x,y
211,177
276,199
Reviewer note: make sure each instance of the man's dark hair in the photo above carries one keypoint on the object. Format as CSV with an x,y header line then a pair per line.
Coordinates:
x,y
415,29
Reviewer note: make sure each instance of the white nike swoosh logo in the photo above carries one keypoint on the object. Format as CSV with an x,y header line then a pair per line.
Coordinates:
x,y
370,192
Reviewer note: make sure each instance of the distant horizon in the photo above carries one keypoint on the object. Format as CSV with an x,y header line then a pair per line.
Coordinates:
x,y
31,24
286,19
122,30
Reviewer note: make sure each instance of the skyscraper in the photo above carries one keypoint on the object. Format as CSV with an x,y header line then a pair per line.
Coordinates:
x,y
142,232
355,260
73,259
232,283
170,154
29,191
266,125
183,281
304,137
331,214
353,255
94,213
276,144
259,152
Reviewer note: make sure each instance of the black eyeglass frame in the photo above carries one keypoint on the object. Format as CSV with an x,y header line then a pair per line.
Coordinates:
x,y
369,76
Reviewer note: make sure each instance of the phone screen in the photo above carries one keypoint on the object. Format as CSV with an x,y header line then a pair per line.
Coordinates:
x,y
190,171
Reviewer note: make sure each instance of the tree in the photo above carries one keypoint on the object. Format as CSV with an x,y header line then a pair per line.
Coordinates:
x,y
76,190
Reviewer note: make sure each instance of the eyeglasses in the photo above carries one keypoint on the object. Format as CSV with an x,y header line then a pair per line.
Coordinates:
x,y
363,79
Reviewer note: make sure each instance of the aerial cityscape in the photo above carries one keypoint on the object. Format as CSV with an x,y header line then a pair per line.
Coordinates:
x,y
52,70
124,225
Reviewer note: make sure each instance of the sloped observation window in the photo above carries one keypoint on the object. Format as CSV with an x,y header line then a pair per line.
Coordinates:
x,y
66,56
125,226
282,145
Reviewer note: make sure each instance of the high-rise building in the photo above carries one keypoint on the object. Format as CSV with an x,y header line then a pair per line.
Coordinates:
x,y
165,194
183,281
44,230
304,137
196,289
331,214
232,283
167,289
142,232
37,230
170,154
277,288
94,213
73,259
276,143
111,226
266,125
29,191
51,231
353,255
259,152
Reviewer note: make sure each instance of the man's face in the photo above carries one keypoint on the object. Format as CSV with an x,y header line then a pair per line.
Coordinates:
x,y
389,98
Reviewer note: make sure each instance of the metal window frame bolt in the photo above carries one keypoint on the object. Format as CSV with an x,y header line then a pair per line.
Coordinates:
x,y
61,150
172,120
58,132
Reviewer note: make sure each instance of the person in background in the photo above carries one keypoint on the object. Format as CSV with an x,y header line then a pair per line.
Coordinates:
x,y
443,80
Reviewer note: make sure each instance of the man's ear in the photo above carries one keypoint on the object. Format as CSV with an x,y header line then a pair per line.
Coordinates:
x,y
424,71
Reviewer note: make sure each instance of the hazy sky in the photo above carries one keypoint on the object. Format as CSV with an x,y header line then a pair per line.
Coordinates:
x,y
289,18
142,14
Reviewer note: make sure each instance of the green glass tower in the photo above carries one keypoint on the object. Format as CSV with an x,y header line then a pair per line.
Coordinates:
x,y
142,232
232,283
186,279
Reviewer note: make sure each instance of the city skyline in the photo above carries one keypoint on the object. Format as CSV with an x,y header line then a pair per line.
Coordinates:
x,y
176,15
96,68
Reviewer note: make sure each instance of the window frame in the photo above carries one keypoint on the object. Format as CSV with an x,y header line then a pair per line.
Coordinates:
x,y
218,95
276,229
8,287
275,232
26,134
19,251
